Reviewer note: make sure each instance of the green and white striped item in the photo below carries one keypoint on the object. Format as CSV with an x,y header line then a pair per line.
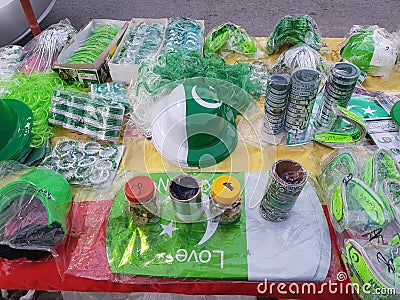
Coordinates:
x,y
193,128
89,115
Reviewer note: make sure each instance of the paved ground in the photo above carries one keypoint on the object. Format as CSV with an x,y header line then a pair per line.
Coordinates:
x,y
258,17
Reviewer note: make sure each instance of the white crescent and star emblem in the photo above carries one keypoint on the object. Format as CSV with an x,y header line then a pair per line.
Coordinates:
x,y
203,103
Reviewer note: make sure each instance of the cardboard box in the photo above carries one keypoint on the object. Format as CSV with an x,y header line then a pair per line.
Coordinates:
x,y
97,72
128,72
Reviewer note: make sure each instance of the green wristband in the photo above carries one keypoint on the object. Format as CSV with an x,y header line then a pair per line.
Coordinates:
x,y
351,191
339,139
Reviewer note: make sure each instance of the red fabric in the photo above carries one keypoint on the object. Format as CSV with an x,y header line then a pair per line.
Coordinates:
x,y
85,256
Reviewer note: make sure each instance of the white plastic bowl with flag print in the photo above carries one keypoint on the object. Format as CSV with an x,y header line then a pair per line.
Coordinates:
x,y
192,127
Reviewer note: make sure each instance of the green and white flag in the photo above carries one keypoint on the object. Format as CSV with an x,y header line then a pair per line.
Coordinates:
x,y
364,107
193,128
251,249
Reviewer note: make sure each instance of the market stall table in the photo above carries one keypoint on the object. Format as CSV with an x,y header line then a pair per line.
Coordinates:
x,y
43,275
140,155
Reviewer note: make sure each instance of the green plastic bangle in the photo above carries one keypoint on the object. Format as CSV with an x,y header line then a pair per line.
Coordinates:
x,y
338,139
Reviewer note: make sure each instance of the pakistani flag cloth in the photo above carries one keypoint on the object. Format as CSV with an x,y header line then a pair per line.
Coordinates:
x,y
193,128
364,107
297,249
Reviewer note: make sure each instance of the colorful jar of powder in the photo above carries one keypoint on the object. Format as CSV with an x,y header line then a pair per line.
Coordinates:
x,y
227,199
140,193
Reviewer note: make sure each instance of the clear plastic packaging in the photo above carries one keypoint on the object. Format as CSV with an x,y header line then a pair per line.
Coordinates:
x,y
372,49
84,163
34,206
260,74
141,42
99,39
146,296
229,38
89,114
345,129
10,57
300,56
183,34
292,30
41,52
362,196
114,92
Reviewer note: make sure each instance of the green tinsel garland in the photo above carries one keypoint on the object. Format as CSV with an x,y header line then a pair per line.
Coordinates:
x,y
177,65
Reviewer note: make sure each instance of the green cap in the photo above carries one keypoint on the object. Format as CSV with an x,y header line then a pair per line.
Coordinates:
x,y
48,186
15,129
395,113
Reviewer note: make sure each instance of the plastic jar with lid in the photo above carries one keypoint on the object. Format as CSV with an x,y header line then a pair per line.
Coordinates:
x,y
140,193
227,199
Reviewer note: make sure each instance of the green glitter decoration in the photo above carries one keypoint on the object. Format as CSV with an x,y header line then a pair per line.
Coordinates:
x,y
175,66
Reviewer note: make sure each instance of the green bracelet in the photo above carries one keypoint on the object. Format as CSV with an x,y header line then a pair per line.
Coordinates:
x,y
340,139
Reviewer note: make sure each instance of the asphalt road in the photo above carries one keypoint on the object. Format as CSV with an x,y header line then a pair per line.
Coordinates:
x,y
258,17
